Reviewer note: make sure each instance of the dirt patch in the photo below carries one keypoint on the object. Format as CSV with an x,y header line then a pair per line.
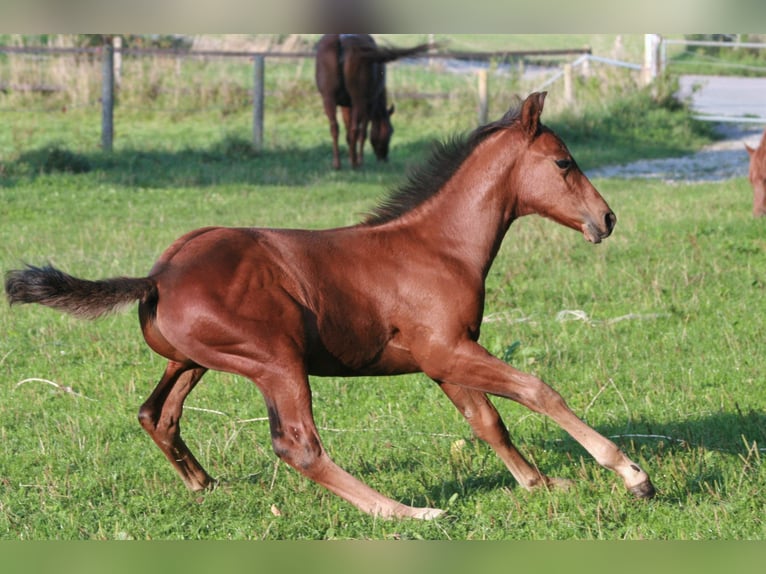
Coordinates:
x,y
719,161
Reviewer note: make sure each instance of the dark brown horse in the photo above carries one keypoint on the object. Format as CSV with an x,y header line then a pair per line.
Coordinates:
x,y
401,292
758,176
351,73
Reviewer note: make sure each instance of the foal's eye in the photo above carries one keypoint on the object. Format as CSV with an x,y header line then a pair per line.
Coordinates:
x,y
564,163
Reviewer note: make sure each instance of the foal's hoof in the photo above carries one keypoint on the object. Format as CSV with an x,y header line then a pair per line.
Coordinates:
x,y
550,483
427,513
558,483
643,490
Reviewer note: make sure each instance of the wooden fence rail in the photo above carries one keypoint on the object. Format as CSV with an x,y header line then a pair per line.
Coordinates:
x,y
109,53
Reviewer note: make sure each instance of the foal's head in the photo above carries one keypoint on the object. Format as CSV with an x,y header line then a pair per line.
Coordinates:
x,y
548,181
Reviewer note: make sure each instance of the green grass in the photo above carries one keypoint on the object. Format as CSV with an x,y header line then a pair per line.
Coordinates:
x,y
662,349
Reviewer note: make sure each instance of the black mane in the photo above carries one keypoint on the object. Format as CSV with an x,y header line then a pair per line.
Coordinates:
x,y
426,180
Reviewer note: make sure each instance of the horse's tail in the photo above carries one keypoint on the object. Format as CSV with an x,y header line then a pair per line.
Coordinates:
x,y
87,299
385,54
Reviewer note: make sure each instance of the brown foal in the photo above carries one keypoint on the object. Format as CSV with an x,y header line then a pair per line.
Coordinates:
x,y
401,292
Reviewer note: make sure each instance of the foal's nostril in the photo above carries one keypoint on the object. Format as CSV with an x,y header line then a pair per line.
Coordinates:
x,y
610,220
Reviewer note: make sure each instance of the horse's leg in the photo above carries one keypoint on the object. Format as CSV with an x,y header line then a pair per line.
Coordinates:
x,y
759,199
296,441
361,137
468,364
330,110
359,120
160,416
349,115
487,425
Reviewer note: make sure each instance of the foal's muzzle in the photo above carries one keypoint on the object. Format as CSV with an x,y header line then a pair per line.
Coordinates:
x,y
596,231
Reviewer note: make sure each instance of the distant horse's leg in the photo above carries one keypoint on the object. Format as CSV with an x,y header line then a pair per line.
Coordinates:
x,y
759,198
296,441
488,426
349,115
160,416
330,110
361,137
469,365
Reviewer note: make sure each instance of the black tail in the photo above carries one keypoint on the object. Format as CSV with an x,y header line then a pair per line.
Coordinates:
x,y
389,53
87,299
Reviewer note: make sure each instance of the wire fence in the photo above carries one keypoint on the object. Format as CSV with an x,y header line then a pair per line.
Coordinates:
x,y
713,54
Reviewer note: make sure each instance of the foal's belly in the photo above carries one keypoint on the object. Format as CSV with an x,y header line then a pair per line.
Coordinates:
x,y
389,361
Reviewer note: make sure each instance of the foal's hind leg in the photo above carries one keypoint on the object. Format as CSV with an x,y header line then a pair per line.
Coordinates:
x,y
488,426
296,441
160,416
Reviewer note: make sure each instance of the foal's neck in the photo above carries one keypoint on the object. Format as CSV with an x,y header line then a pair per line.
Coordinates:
x,y
468,218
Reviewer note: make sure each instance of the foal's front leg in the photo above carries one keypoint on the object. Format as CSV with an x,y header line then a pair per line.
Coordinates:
x,y
469,365
487,425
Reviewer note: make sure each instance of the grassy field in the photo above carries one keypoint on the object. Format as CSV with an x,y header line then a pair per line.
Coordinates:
x,y
654,337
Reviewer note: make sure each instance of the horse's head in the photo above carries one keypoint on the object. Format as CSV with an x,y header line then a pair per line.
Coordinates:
x,y
758,177
381,131
549,182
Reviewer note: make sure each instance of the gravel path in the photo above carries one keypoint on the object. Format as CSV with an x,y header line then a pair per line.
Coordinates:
x,y
716,97
719,161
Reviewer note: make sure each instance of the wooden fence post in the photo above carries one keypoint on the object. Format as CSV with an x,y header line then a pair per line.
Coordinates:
x,y
652,61
568,84
107,97
258,68
117,44
483,97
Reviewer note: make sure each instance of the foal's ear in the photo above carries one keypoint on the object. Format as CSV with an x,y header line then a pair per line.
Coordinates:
x,y
750,150
530,112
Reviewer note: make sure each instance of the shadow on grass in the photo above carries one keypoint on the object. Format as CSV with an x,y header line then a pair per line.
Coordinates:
x,y
229,161
680,448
